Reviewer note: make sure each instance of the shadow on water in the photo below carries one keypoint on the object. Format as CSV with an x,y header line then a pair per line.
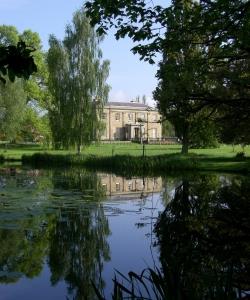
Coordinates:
x,y
203,236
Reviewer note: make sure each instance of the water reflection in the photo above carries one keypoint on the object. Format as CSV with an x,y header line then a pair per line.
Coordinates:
x,y
118,187
49,217
24,239
204,236
70,220
78,242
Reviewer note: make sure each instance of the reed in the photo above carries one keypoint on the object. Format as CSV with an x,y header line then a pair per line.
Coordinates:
x,y
148,285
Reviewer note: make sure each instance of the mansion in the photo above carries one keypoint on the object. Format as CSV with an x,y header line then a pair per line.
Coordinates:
x,y
131,121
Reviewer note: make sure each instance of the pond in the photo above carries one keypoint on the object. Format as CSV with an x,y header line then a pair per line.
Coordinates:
x,y
66,232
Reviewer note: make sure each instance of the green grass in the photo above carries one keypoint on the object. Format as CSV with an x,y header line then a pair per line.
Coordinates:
x,y
16,152
125,158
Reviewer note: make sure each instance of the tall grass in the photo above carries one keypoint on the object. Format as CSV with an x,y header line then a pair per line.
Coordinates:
x,y
150,284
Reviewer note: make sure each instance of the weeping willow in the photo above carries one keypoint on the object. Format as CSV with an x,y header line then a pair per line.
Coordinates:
x,y
77,83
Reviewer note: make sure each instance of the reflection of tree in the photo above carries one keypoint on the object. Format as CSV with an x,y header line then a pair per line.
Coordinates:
x,y
204,236
78,241
23,250
24,225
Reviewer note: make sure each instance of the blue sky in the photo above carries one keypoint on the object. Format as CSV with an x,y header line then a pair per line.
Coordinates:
x,y
129,76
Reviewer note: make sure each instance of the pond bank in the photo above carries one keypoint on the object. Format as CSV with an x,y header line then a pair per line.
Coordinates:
x,y
127,164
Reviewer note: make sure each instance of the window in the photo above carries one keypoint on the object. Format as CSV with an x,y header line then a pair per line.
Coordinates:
x,y
117,187
117,116
104,116
142,116
155,117
154,133
130,117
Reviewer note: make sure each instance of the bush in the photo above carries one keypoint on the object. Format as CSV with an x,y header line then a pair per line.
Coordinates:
x,y
240,155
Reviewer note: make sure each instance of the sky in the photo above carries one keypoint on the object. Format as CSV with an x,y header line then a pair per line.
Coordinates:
x,y
129,77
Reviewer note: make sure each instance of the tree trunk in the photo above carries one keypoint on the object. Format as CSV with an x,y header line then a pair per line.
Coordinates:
x,y
185,139
79,148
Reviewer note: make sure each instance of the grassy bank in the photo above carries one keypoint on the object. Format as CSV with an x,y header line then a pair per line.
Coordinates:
x,y
127,159
133,149
127,164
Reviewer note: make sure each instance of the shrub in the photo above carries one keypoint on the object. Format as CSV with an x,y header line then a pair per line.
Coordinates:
x,y
240,155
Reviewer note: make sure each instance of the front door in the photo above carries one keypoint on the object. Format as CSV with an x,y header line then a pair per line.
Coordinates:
x,y
136,133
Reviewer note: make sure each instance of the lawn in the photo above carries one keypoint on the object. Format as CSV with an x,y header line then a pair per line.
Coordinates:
x,y
226,151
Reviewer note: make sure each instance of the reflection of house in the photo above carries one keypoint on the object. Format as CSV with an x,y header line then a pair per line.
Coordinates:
x,y
119,186
131,121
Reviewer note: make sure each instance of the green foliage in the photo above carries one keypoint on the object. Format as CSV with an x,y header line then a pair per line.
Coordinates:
x,y
181,62
36,86
167,129
205,50
139,20
77,82
35,128
13,97
12,107
203,132
240,155
16,58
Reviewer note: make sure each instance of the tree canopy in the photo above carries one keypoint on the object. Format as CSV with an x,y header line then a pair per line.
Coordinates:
x,y
205,49
15,95
16,58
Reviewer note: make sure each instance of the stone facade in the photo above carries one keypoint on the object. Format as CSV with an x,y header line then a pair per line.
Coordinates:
x,y
131,121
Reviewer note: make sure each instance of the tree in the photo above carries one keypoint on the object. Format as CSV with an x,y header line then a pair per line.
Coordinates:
x,y
137,19
218,28
12,106
168,129
34,127
179,74
16,58
77,83
36,86
142,20
14,98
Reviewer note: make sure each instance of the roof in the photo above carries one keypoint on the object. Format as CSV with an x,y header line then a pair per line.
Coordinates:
x,y
134,104
129,104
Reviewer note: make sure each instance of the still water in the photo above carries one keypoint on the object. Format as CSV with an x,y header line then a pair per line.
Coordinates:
x,y
64,230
